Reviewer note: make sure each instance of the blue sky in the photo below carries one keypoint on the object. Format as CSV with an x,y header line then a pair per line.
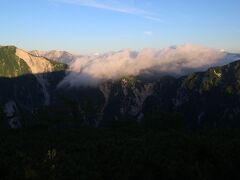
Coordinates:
x,y
86,26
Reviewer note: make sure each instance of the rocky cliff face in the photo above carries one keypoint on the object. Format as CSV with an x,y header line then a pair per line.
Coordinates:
x,y
59,56
30,92
125,98
26,83
16,62
210,97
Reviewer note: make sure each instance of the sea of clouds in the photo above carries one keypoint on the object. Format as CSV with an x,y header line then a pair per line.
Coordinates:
x,y
176,60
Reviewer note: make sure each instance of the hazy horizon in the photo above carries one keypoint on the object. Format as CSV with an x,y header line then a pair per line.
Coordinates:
x,y
117,50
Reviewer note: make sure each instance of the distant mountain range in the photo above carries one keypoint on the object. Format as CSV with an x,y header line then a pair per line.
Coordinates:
x,y
60,56
38,91
93,69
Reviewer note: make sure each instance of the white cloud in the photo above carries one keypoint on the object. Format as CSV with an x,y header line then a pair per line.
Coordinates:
x,y
148,33
154,18
178,60
113,7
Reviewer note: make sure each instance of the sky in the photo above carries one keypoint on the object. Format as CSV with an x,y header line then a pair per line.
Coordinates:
x,y
94,26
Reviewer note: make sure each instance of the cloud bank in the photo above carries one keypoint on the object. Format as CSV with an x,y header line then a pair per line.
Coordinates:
x,y
94,69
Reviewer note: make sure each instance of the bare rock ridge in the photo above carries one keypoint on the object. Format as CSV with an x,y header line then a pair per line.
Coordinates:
x,y
59,56
38,66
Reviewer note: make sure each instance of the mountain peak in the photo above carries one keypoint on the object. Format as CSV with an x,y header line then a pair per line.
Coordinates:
x,y
60,56
37,64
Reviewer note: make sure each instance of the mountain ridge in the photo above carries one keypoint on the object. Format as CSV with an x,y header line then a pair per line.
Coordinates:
x,y
59,56
208,97
178,61
20,62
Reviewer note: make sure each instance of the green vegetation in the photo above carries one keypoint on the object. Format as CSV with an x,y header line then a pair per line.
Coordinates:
x,y
129,81
190,82
203,81
10,64
13,66
120,153
211,80
57,66
54,143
